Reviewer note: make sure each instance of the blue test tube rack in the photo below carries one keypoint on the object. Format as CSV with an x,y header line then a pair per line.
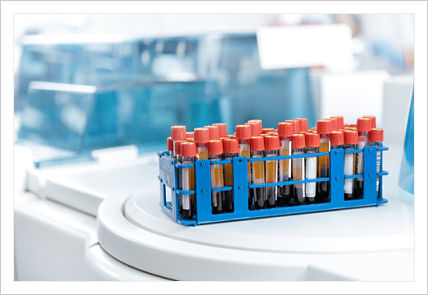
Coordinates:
x,y
168,171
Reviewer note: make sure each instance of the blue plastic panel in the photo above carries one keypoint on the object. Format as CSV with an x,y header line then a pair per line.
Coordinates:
x,y
240,187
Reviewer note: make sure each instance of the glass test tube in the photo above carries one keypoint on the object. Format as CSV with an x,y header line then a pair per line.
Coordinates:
x,y
178,132
243,134
231,149
272,146
351,141
359,164
298,167
375,139
188,156
215,151
285,130
257,195
201,137
323,188
312,146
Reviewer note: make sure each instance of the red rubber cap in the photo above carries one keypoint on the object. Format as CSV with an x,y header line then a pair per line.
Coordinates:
x,y
257,143
170,144
177,145
178,132
296,125
324,126
312,139
189,135
215,147
285,129
272,142
201,135
256,127
339,122
303,123
350,136
188,149
243,132
266,130
364,124
361,139
376,135
230,146
372,120
214,132
337,138
222,129
298,141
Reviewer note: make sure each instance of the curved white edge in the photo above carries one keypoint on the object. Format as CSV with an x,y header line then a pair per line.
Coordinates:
x,y
182,260
242,241
108,268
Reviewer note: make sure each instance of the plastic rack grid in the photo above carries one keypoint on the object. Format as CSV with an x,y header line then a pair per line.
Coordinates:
x,y
168,169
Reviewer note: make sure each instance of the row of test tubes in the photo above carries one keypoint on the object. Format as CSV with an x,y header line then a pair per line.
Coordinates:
x,y
251,140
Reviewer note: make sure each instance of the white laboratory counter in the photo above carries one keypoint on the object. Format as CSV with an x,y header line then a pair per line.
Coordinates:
x,y
57,238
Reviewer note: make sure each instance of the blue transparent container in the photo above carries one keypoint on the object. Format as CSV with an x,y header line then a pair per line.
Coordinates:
x,y
407,163
81,118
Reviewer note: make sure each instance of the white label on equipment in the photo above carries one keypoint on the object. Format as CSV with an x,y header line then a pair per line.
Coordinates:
x,y
303,46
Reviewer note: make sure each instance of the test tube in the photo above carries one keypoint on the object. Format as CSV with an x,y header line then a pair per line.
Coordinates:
x,y
272,146
285,130
303,124
363,127
178,132
230,149
323,188
201,137
188,156
215,151
243,134
222,129
312,141
376,139
351,141
298,148
359,164
256,198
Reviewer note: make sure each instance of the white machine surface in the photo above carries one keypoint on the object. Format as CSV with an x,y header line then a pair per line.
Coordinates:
x,y
60,235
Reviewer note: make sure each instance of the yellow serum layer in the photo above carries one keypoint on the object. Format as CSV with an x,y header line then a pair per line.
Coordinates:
x,y
285,164
228,174
188,179
217,179
324,160
271,171
258,172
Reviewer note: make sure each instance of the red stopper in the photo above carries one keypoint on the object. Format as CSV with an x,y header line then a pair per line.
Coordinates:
x,y
312,139
215,147
178,132
376,135
257,143
272,142
230,146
